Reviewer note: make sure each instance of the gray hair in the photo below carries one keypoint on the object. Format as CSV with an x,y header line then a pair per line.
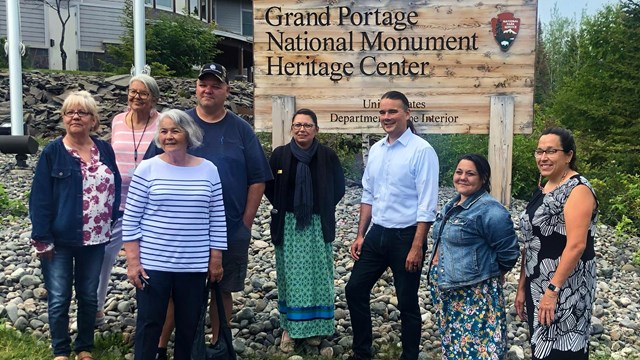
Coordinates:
x,y
184,122
149,82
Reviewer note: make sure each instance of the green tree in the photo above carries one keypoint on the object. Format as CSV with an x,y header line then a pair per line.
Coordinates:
x,y
600,102
596,97
560,44
174,43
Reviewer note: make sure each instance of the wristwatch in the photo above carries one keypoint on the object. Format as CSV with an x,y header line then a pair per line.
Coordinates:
x,y
553,288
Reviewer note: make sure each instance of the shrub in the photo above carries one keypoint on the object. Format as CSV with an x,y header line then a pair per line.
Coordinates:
x,y
619,200
11,207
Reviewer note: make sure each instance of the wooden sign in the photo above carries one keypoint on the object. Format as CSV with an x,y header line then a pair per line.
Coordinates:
x,y
448,56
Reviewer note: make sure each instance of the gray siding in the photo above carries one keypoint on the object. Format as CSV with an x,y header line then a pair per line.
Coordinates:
x,y
228,15
31,23
110,3
99,24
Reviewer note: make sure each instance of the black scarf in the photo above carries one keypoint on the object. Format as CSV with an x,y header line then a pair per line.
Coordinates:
x,y
303,193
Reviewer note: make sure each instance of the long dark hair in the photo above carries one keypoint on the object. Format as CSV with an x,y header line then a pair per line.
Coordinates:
x,y
482,166
397,95
567,142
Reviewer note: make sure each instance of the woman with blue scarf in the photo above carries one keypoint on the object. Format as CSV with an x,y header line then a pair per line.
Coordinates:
x,y
308,184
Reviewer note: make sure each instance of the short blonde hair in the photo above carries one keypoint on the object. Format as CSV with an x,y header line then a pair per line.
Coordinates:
x,y
84,100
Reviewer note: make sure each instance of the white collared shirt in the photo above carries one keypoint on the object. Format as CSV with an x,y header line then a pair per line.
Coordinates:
x,y
400,181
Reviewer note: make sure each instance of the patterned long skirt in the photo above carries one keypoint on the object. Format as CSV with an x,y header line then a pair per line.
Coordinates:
x,y
304,267
472,319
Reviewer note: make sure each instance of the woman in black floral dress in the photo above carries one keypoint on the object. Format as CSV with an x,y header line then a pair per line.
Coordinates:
x,y
558,276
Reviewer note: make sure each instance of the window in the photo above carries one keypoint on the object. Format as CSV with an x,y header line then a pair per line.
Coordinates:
x,y
166,4
247,18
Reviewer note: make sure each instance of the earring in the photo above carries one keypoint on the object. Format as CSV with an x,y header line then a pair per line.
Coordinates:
x,y
540,182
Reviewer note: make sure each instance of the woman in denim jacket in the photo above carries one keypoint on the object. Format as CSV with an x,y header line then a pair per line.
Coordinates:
x,y
75,195
474,246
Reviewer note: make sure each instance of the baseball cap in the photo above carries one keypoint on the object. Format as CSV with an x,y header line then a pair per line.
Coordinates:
x,y
214,69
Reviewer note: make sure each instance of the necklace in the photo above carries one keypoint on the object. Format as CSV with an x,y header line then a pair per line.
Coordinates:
x,y
564,174
136,146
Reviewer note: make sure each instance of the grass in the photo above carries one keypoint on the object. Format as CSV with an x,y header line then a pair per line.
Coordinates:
x,y
18,346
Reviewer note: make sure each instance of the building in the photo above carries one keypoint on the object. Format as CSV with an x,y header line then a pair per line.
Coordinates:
x,y
95,23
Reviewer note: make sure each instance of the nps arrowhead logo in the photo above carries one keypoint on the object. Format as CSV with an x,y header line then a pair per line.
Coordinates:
x,y
505,28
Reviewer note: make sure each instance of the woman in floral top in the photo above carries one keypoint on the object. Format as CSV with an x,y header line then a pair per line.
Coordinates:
x,y
75,189
558,275
475,244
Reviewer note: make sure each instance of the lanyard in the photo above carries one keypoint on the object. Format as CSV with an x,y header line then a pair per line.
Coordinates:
x,y
136,146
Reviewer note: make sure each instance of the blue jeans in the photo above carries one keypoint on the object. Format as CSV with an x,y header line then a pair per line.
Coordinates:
x,y
384,248
186,289
69,265
111,251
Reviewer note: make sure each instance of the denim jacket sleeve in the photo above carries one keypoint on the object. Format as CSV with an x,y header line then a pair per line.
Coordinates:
x,y
41,207
500,234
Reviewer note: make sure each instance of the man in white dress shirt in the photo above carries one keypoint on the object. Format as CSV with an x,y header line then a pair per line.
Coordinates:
x,y
399,196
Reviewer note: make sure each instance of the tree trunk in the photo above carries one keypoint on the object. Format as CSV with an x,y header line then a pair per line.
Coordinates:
x,y
63,53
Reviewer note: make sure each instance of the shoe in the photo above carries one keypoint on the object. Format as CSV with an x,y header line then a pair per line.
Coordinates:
x,y
161,354
287,344
314,341
84,355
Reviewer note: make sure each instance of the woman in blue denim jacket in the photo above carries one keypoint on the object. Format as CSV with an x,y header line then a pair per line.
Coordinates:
x,y
75,195
474,246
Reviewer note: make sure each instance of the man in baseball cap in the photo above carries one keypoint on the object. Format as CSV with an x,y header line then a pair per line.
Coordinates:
x,y
230,143
214,69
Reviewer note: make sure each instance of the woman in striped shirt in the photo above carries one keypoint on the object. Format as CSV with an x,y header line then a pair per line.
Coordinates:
x,y
174,231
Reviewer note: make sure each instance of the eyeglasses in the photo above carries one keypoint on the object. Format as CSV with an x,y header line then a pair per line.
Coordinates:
x,y
306,125
74,113
549,152
142,94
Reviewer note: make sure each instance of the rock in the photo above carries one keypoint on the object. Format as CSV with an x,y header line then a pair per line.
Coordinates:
x,y
245,314
30,280
629,324
515,353
21,324
596,326
260,244
12,312
628,267
623,301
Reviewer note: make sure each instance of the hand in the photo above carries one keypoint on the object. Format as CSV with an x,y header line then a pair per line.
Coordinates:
x,y
547,307
414,260
248,223
519,303
215,266
356,247
133,274
48,255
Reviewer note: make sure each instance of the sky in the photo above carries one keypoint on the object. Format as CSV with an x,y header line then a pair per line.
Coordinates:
x,y
570,8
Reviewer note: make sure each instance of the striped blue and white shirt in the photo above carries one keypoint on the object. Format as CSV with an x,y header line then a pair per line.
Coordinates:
x,y
177,214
